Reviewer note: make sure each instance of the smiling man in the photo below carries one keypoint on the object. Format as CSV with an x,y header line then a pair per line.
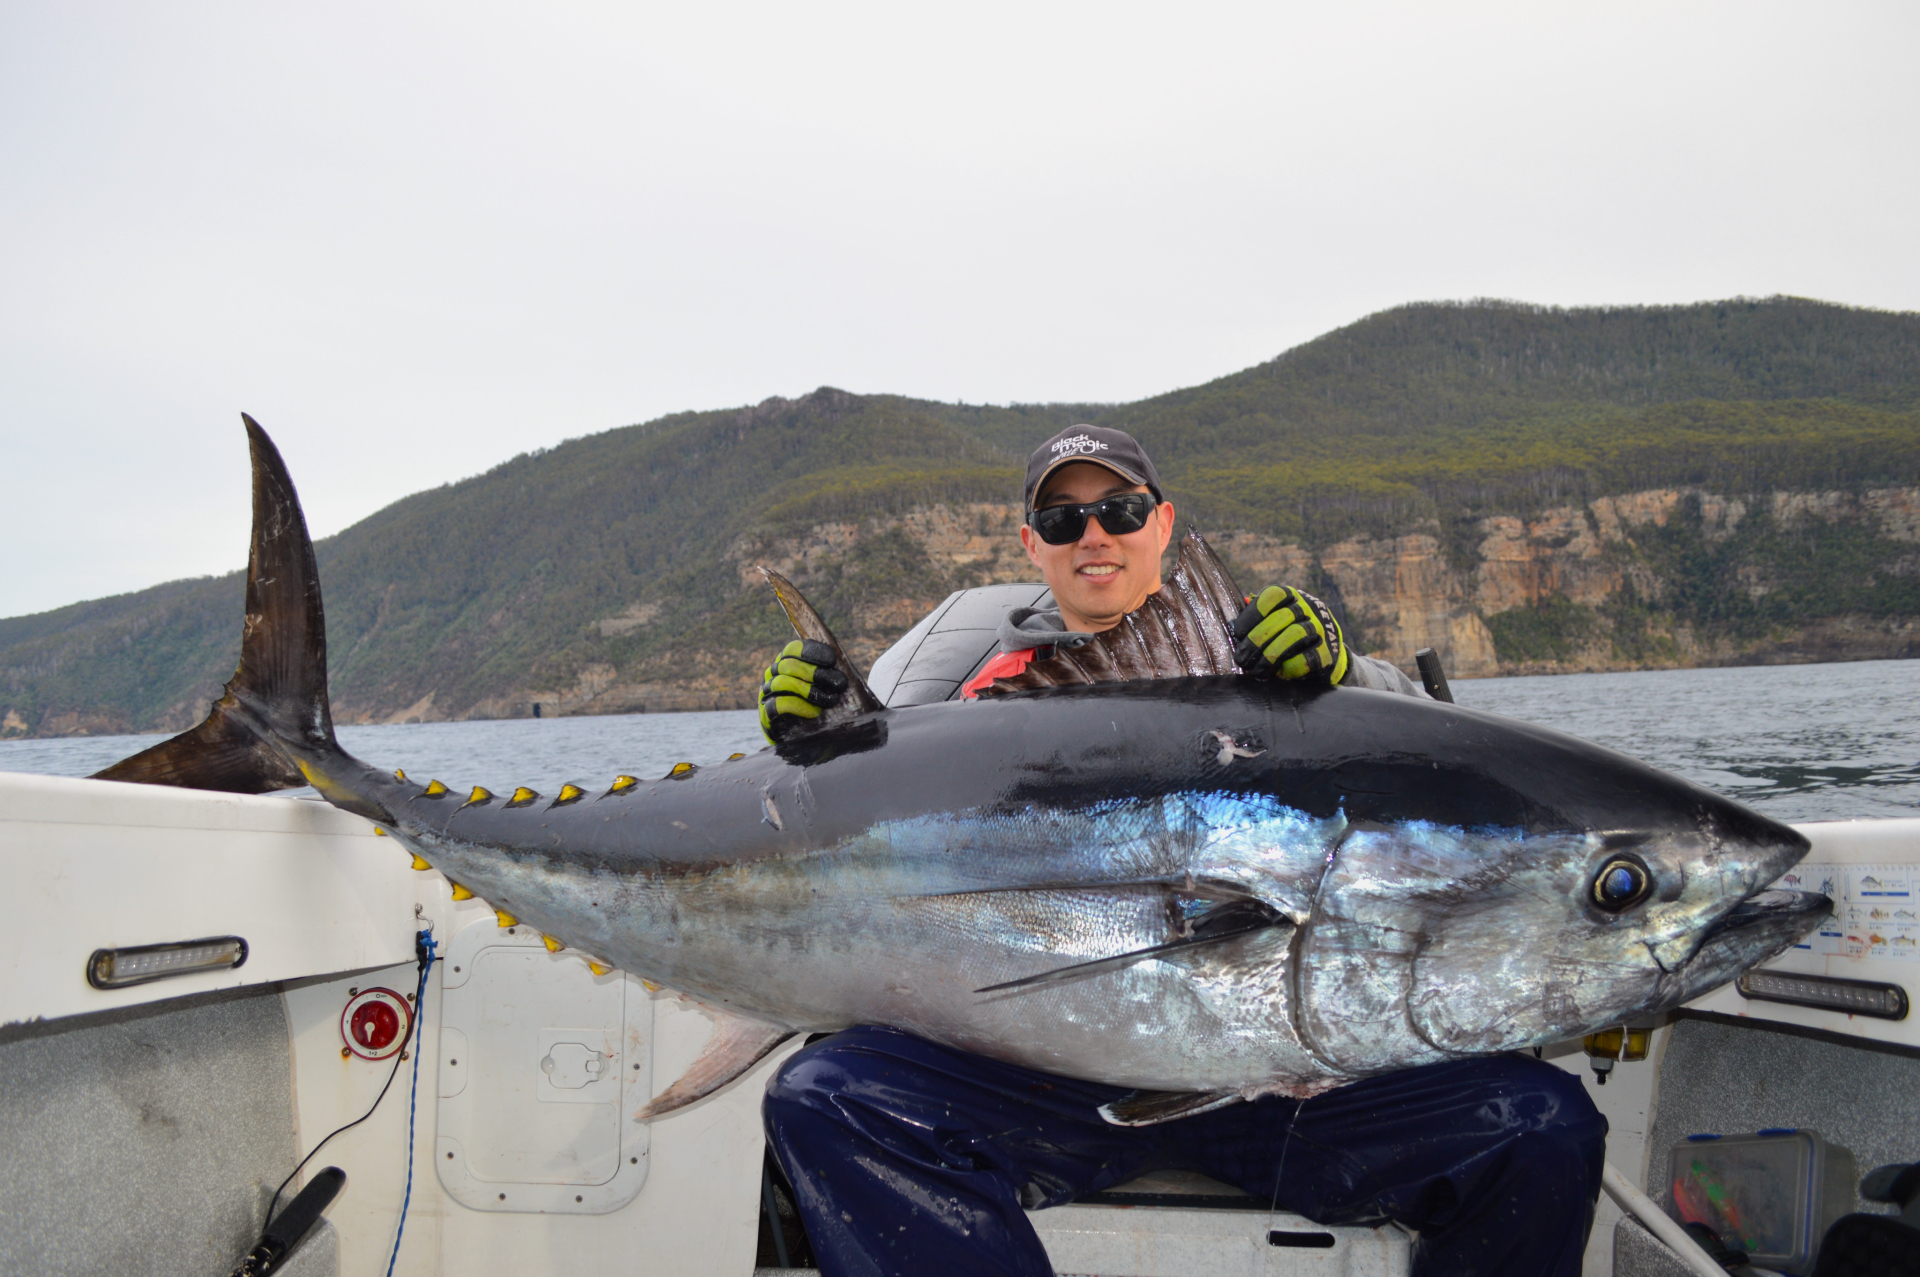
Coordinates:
x,y
908,1157
1097,525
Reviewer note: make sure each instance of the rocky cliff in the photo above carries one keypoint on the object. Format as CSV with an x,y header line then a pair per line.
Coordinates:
x,y
1573,588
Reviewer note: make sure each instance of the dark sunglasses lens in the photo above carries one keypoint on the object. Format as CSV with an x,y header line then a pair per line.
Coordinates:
x,y
1121,515
1060,524
1065,524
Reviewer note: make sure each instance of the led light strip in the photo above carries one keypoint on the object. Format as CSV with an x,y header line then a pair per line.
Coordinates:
x,y
1828,993
123,968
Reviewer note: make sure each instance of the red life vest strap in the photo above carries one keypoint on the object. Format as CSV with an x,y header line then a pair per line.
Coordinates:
x,y
1003,665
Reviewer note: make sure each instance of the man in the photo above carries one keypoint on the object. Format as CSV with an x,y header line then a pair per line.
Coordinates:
x,y
1079,486
909,1157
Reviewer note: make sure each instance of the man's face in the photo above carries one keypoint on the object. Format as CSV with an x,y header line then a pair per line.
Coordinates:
x,y
1101,577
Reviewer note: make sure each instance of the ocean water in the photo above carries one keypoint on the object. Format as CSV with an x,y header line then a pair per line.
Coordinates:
x,y
1798,742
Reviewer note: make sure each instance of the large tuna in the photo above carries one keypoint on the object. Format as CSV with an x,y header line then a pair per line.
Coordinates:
x,y
1209,885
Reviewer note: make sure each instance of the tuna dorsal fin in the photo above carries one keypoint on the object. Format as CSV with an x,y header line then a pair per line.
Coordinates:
x,y
1185,629
808,625
280,689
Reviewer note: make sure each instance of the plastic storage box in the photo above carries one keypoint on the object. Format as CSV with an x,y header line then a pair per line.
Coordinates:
x,y
1772,1194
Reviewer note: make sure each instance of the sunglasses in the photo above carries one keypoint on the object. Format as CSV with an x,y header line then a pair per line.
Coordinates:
x,y
1119,515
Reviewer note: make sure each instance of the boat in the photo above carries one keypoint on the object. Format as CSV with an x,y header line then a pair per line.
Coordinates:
x,y
201,986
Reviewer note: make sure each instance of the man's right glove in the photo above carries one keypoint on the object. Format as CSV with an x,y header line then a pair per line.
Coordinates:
x,y
1287,633
799,684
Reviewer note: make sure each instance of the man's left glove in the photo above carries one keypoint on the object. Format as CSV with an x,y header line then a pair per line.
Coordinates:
x,y
798,685
1287,633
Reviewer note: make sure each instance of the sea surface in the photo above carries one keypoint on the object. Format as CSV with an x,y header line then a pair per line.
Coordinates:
x,y
1798,742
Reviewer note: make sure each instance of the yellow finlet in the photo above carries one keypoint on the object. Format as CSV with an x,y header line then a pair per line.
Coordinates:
x,y
433,790
621,784
480,794
598,968
569,793
460,892
327,785
398,774
649,986
522,797
506,919
379,832
553,946
681,770
419,863
734,758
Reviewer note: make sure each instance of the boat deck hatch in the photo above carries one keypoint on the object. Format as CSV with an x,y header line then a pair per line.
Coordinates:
x,y
542,1066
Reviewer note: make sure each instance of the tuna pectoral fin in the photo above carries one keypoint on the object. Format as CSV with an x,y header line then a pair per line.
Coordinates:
x,y
1145,1108
1226,922
808,625
737,1045
278,696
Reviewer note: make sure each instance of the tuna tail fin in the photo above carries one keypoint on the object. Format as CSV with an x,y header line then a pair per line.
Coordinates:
x,y
278,697
1185,629
808,625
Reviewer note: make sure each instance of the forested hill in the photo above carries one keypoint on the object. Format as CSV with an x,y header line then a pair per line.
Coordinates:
x,y
1523,487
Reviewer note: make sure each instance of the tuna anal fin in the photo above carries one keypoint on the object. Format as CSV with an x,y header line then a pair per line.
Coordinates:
x,y
1228,922
737,1045
808,625
1145,1108
279,692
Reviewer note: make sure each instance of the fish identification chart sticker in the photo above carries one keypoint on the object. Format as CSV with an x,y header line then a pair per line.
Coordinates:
x,y
1875,914
1871,872
1878,910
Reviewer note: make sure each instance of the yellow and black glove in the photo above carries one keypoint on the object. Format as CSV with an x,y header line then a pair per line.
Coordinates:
x,y
1287,633
799,684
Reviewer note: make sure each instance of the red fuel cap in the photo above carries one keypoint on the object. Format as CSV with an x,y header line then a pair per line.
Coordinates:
x,y
376,1023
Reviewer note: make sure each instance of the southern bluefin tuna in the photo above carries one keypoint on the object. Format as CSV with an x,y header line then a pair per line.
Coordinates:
x,y
1205,887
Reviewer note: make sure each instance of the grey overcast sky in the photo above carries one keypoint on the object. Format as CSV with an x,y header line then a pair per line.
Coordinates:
x,y
416,239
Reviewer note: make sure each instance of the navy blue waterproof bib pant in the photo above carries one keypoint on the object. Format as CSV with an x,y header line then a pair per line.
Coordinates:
x,y
911,1158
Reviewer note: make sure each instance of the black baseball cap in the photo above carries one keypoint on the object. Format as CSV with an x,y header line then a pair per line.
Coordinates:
x,y
1117,450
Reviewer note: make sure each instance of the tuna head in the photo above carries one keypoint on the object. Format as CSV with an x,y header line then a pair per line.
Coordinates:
x,y
1428,943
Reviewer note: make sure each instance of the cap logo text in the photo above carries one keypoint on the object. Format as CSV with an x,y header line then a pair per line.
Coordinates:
x,y
1078,445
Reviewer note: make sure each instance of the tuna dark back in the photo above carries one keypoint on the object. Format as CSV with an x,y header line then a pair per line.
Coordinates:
x,y
1374,756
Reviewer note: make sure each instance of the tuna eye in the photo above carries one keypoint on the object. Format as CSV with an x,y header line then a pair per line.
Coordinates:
x,y
1621,882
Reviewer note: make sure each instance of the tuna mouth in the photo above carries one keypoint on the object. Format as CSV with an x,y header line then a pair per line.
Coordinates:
x,y
1772,909
1758,928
